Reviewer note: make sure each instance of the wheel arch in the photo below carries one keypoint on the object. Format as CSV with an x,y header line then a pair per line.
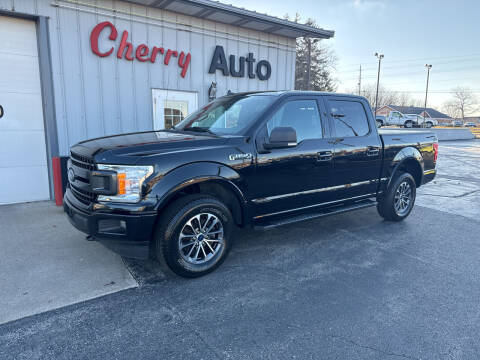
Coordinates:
x,y
212,179
409,160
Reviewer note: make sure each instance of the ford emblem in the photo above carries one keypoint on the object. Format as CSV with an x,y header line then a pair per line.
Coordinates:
x,y
71,175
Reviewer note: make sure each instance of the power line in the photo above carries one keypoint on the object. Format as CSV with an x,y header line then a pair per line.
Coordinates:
x,y
417,59
408,66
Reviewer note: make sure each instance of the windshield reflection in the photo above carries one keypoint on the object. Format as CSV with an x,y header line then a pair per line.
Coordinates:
x,y
228,115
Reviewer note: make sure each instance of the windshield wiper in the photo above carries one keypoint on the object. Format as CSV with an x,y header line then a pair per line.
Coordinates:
x,y
199,129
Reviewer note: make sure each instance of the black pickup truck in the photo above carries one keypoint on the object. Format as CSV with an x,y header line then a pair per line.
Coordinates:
x,y
252,159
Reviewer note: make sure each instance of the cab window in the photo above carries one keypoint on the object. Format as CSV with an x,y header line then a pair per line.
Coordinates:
x,y
302,115
349,118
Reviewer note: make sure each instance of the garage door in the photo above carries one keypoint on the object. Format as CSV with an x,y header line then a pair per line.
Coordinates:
x,y
23,160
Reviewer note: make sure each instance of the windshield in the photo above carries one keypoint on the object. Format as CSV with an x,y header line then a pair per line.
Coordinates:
x,y
228,115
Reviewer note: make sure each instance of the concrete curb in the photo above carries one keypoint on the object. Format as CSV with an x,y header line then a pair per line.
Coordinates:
x,y
446,134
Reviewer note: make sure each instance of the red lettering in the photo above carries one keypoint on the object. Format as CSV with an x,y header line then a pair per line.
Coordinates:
x,y
169,55
141,52
125,44
155,51
183,62
95,35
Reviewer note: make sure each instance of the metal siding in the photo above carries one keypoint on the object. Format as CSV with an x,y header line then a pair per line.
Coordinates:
x,y
102,96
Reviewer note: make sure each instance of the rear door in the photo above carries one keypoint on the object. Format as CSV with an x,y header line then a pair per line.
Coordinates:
x,y
357,148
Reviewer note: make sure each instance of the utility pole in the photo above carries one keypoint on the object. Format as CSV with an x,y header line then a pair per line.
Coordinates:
x,y
380,57
428,66
360,81
309,61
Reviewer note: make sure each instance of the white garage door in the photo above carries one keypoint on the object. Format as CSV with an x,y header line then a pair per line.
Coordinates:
x,y
23,160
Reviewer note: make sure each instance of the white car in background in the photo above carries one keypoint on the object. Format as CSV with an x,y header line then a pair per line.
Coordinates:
x,y
408,120
420,120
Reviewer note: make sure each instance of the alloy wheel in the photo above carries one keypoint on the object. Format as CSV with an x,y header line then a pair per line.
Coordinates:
x,y
201,238
403,198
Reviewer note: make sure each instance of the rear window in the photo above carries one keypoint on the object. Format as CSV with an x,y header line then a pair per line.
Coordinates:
x,y
349,118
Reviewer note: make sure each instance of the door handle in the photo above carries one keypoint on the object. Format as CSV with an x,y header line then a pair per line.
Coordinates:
x,y
373,152
324,156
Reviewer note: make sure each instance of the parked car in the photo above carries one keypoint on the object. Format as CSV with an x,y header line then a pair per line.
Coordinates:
x,y
470,124
420,121
457,123
397,118
252,159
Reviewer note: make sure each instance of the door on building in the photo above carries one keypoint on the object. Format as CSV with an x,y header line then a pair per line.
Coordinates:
x,y
23,158
170,107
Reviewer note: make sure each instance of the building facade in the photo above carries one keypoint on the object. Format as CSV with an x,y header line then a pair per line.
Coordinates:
x,y
74,70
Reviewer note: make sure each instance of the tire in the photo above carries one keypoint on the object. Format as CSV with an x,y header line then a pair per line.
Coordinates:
x,y
186,221
429,124
408,124
391,207
379,124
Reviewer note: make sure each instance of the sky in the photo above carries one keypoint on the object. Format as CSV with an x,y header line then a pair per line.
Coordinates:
x,y
445,34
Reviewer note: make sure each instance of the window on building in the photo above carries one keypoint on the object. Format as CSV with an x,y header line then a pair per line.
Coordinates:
x,y
349,118
302,115
174,112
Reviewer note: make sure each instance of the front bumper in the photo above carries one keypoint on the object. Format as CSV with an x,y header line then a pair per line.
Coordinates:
x,y
127,234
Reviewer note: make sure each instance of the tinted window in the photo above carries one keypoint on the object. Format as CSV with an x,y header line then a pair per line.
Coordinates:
x,y
302,115
349,118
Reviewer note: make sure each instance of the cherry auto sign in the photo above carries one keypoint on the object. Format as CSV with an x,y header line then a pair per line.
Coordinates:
x,y
142,52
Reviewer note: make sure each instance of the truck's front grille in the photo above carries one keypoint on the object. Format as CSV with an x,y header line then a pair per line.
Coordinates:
x,y
82,161
81,186
84,196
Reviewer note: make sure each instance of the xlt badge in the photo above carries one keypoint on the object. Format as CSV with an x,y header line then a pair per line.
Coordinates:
x,y
246,156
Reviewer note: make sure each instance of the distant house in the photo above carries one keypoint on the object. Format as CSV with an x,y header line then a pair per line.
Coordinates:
x,y
429,113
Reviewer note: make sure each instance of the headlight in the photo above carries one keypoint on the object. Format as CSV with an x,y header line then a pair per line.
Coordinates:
x,y
129,182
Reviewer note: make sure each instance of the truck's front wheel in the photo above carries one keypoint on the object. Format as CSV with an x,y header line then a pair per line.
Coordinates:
x,y
398,201
193,236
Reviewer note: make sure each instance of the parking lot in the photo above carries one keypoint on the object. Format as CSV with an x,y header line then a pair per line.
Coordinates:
x,y
346,286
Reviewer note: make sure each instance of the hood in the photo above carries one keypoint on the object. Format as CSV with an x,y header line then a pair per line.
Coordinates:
x,y
146,143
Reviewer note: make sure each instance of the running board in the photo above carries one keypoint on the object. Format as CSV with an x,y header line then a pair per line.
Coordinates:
x,y
317,214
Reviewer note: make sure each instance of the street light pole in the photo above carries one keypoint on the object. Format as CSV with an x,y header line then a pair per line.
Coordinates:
x,y
380,57
428,66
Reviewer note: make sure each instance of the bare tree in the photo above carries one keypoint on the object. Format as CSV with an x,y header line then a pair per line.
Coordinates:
x,y
387,96
451,109
406,99
464,100
322,62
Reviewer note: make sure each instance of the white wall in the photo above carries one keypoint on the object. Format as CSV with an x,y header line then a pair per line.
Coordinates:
x,y
100,96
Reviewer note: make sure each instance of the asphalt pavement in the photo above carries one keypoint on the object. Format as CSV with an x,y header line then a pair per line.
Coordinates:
x,y
350,286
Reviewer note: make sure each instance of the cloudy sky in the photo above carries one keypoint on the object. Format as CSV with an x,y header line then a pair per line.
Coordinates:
x,y
410,33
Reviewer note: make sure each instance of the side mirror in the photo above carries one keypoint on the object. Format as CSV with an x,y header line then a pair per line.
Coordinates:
x,y
282,137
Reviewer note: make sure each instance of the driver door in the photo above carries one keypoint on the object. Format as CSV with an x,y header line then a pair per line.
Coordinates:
x,y
297,177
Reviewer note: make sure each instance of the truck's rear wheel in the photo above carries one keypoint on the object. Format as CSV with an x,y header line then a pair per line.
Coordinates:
x,y
398,201
193,236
